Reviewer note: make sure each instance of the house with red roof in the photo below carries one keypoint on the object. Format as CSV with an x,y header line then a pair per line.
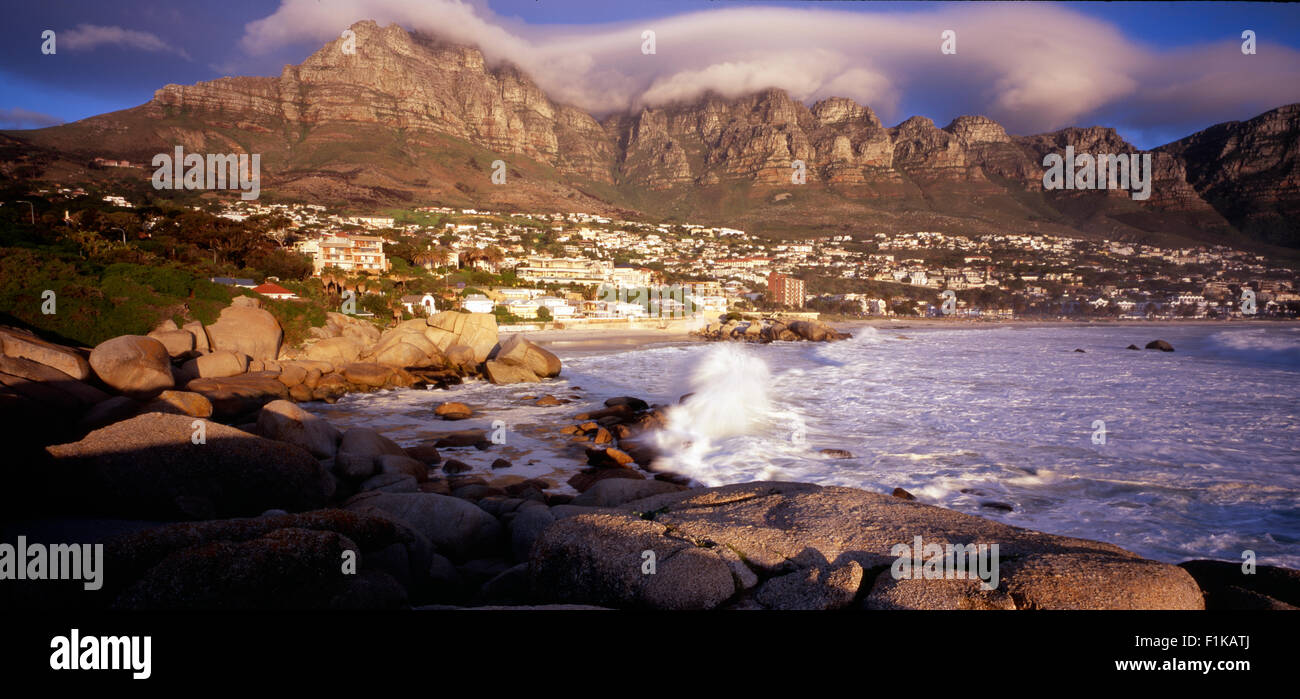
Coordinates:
x,y
274,291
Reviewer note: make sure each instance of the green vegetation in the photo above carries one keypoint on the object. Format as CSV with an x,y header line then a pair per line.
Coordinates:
x,y
93,302
505,317
104,287
404,217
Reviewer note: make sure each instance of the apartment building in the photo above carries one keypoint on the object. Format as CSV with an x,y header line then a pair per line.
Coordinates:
x,y
351,253
785,290
564,270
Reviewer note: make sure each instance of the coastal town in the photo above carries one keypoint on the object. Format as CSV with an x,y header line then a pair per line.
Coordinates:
x,y
583,268
586,270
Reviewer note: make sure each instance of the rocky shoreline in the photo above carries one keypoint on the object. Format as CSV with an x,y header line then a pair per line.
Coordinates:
x,y
771,330
228,495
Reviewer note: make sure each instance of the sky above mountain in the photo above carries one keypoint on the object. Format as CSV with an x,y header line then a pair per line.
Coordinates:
x,y
1155,71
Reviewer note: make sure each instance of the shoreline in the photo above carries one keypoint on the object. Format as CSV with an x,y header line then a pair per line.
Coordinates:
x,y
1106,322
461,515
593,340
607,339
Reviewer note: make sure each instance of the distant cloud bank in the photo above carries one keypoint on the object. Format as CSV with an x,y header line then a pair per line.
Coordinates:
x,y
1031,67
87,37
19,118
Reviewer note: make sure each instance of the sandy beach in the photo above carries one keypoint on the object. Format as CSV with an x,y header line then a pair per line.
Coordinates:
x,y
602,339
598,339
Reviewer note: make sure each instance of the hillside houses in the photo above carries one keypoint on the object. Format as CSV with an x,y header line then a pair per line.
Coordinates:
x,y
561,253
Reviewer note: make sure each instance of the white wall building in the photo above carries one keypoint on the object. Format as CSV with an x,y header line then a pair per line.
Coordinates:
x,y
478,303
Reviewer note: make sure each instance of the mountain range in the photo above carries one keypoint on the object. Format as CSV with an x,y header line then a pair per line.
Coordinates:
x,y
412,119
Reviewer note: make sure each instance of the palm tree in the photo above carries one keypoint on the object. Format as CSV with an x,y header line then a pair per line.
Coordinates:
x,y
432,257
442,256
426,259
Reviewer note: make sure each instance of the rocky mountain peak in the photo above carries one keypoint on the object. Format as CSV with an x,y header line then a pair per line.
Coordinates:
x,y
1250,171
413,116
915,126
834,111
977,129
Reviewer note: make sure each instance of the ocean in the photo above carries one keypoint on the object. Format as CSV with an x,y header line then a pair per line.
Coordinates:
x,y
1175,456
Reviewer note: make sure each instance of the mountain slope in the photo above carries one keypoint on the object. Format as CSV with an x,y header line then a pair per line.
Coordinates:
x,y
1249,172
410,118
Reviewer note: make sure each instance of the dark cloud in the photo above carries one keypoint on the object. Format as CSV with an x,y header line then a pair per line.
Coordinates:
x,y
19,118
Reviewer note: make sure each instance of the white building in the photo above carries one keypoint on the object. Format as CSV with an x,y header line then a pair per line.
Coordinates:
x,y
373,221
478,303
513,294
559,308
426,302
523,308
564,270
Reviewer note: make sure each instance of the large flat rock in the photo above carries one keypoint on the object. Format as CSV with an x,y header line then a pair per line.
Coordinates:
x,y
24,345
149,466
778,529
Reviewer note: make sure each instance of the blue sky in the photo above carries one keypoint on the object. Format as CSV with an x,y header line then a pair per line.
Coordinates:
x,y
113,55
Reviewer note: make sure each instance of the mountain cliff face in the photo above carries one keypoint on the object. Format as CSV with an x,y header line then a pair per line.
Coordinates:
x,y
406,82
411,118
757,138
1249,171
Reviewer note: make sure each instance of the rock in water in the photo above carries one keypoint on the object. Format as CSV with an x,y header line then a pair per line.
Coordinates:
x,y
816,331
477,331
507,372
151,466
452,466
630,401
1160,345
453,411
521,352
408,345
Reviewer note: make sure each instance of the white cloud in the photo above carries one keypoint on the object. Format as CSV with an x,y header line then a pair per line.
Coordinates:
x,y
1031,67
87,37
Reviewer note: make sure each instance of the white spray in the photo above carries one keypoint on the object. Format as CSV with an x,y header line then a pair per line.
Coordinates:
x,y
729,399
